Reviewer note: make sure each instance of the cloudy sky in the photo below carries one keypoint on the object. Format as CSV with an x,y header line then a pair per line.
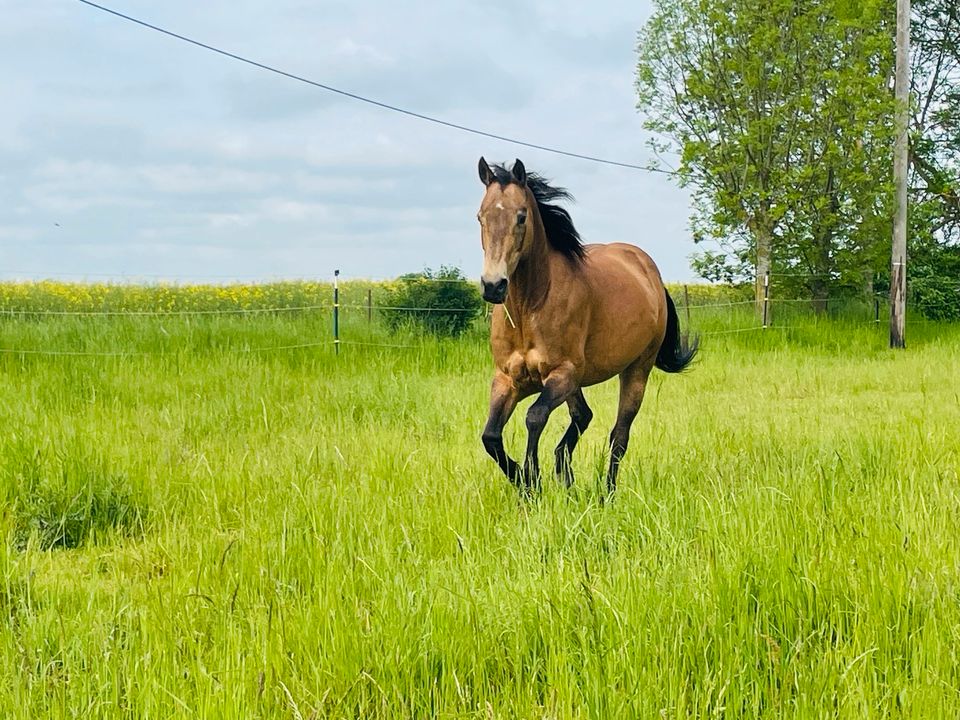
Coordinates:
x,y
124,153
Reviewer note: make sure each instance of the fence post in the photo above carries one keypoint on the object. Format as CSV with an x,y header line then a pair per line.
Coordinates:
x,y
336,311
898,291
686,303
369,306
766,299
876,310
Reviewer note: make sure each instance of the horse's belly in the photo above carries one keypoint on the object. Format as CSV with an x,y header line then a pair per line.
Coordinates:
x,y
629,325
604,361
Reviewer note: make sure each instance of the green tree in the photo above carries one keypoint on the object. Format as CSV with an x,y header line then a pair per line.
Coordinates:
x,y
934,239
935,127
779,112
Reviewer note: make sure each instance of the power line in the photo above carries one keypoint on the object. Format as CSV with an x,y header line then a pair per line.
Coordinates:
x,y
40,276
11,311
370,101
15,312
159,353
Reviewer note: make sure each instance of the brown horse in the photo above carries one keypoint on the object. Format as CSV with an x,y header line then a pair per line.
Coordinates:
x,y
567,316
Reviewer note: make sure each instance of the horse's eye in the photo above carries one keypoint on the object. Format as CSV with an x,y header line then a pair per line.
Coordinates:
x,y
521,217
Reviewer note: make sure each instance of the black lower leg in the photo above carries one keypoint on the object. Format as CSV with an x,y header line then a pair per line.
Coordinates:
x,y
619,439
553,394
536,422
493,444
580,417
633,382
503,399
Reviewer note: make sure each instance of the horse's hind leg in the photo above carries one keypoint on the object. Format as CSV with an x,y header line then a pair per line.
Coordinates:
x,y
503,401
580,417
633,383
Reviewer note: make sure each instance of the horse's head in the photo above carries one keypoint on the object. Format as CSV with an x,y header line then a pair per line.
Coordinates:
x,y
504,226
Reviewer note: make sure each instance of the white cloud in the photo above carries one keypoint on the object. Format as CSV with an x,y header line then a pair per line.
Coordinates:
x,y
361,52
14,233
186,178
153,155
286,210
230,221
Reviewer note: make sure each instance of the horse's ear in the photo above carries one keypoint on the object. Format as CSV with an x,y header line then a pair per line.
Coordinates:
x,y
486,174
519,173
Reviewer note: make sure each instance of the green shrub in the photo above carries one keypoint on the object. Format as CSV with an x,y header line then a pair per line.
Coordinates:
x,y
442,302
934,279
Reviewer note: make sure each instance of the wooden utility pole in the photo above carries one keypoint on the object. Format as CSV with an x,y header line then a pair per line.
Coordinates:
x,y
898,267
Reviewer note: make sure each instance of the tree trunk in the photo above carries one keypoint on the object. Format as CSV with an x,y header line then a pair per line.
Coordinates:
x,y
820,281
820,293
823,243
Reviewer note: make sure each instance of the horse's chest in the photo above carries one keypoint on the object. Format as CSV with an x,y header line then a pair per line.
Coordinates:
x,y
527,369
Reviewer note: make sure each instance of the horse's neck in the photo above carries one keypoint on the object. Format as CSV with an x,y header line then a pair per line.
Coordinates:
x,y
530,283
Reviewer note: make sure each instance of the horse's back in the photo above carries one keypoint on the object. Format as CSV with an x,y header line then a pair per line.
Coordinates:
x,y
628,309
615,259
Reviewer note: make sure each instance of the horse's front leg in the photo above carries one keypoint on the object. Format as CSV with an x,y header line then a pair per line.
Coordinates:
x,y
503,401
557,388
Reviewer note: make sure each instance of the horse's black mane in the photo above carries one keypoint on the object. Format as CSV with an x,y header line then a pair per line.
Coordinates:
x,y
561,234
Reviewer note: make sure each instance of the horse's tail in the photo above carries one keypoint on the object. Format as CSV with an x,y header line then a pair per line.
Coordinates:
x,y
677,351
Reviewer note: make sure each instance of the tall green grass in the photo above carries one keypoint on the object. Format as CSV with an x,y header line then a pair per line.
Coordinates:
x,y
215,529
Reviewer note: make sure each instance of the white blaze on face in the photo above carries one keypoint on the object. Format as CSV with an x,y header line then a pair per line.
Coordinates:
x,y
500,234
495,263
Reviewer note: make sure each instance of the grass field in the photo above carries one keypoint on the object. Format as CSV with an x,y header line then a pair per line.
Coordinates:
x,y
214,530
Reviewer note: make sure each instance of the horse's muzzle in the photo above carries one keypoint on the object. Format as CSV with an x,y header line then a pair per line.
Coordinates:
x,y
494,292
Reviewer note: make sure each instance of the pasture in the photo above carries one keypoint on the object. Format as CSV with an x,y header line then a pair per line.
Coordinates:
x,y
216,530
